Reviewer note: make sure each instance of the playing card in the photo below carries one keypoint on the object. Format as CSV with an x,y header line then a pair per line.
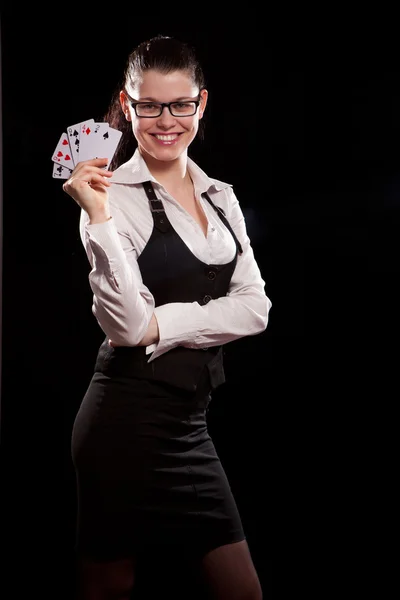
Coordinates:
x,y
61,172
62,154
113,137
100,142
92,141
84,141
74,134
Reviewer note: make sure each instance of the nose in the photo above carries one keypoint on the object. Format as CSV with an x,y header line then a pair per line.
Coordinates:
x,y
166,119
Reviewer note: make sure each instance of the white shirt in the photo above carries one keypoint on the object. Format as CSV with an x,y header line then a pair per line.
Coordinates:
x,y
123,305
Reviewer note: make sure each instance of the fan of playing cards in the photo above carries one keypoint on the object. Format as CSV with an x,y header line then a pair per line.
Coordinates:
x,y
84,141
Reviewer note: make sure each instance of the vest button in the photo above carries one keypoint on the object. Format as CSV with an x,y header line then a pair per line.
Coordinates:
x,y
207,298
211,275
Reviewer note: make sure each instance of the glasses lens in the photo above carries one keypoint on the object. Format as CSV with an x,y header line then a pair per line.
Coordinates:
x,y
183,109
148,110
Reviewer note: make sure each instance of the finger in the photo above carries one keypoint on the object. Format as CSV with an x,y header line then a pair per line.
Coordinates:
x,y
98,180
91,174
95,162
85,168
76,184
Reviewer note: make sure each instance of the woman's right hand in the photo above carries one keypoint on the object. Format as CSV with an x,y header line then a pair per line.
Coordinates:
x,y
88,187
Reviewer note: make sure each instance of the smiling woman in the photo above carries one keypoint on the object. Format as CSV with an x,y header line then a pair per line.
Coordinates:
x,y
174,279
166,113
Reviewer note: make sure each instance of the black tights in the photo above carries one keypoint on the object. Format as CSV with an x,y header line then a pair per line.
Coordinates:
x,y
226,573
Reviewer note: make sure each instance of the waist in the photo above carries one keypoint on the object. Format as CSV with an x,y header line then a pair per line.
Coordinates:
x,y
180,367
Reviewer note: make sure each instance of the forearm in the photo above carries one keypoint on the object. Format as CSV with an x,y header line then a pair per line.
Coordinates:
x,y
220,321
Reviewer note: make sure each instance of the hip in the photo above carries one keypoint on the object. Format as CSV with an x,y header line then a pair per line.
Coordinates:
x,y
137,419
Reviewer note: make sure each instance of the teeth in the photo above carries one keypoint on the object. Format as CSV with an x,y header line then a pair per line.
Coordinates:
x,y
166,138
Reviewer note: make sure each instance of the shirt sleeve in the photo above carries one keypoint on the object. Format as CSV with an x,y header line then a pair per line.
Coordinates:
x,y
122,304
242,312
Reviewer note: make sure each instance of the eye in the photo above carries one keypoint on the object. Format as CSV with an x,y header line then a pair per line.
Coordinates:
x,y
149,106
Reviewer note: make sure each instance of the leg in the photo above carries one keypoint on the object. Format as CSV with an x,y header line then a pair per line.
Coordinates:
x,y
229,572
105,580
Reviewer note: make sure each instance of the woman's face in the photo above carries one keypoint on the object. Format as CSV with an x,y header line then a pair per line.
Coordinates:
x,y
165,137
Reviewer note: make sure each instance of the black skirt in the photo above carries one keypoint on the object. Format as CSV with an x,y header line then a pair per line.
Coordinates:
x,y
148,474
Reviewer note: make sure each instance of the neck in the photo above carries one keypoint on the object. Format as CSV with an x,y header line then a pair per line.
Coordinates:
x,y
172,173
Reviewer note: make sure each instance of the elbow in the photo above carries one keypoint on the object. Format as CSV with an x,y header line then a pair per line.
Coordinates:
x,y
116,327
261,325
122,338
263,316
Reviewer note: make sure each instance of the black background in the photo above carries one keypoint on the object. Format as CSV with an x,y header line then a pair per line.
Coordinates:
x,y
303,120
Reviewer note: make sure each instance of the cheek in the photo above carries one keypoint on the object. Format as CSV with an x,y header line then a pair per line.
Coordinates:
x,y
190,125
139,127
195,125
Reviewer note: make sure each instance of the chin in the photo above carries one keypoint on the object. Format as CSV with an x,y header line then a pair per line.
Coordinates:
x,y
166,154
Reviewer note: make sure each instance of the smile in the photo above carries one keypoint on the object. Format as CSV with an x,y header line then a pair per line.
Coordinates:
x,y
166,139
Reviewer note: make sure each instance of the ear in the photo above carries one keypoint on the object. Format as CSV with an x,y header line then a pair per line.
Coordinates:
x,y
203,102
125,105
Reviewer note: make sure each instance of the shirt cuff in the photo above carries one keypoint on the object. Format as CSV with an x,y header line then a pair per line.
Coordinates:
x,y
176,327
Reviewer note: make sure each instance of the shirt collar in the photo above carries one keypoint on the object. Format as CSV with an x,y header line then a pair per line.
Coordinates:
x,y
135,171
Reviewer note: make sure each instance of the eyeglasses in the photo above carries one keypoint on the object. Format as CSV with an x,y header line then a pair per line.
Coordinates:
x,y
151,110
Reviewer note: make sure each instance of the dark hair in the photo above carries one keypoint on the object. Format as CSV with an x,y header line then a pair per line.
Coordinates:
x,y
161,53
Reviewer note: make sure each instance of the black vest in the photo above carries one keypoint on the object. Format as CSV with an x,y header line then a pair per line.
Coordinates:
x,y
172,273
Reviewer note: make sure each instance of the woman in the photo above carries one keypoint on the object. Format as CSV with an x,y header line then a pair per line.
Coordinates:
x,y
174,279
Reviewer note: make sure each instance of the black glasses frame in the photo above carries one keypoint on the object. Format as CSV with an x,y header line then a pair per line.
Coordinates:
x,y
162,105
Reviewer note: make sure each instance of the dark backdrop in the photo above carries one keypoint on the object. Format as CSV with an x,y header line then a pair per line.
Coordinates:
x,y
304,122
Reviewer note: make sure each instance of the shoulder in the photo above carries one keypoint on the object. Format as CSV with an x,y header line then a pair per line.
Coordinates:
x,y
220,192
223,195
